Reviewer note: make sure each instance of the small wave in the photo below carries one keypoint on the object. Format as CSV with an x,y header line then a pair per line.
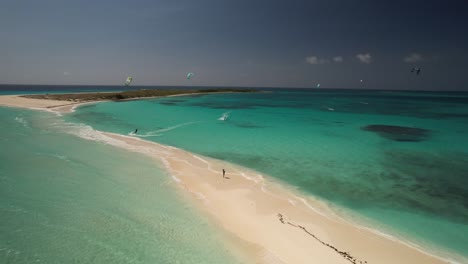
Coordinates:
x,y
328,108
225,116
22,121
62,157
165,162
143,136
133,135
57,156
314,209
200,196
292,202
198,158
87,132
257,179
176,179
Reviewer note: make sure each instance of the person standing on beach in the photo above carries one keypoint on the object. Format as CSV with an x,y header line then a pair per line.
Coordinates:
x,y
224,173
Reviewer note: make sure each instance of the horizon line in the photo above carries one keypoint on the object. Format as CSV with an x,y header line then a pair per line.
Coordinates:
x,y
243,87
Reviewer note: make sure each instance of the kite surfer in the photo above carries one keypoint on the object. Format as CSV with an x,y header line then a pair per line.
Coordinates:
x,y
128,81
418,70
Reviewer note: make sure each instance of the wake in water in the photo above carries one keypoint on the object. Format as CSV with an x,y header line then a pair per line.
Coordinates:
x,y
225,116
158,133
146,135
171,127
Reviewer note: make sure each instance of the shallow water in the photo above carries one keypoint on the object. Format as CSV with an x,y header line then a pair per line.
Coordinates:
x,y
315,140
64,199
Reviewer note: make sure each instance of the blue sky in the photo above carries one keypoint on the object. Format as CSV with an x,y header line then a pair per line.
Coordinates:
x,y
236,43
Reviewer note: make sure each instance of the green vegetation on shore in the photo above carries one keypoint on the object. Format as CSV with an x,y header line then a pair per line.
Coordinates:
x,y
128,95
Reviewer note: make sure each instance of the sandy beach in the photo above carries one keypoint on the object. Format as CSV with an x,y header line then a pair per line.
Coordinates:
x,y
270,223
278,221
66,106
37,104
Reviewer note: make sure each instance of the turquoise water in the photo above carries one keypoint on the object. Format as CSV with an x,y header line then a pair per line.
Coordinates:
x,y
64,199
415,185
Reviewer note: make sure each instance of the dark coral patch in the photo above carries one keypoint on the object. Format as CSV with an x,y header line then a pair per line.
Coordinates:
x,y
399,133
248,125
167,103
171,102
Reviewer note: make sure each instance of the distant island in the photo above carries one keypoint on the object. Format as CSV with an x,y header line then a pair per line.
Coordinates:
x,y
128,95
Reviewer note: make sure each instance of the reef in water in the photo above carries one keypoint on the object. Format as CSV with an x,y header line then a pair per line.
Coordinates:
x,y
399,133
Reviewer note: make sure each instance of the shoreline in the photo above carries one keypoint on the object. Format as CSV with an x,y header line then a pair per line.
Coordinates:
x,y
283,226
284,215
61,106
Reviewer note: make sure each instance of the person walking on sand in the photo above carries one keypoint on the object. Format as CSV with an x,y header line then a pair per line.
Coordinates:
x,y
224,173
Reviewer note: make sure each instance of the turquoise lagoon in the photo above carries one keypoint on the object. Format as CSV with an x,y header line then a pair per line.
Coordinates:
x,y
64,198
313,140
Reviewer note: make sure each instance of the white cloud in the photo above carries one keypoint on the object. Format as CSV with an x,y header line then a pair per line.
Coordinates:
x,y
338,59
66,73
413,57
364,58
315,60
312,60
